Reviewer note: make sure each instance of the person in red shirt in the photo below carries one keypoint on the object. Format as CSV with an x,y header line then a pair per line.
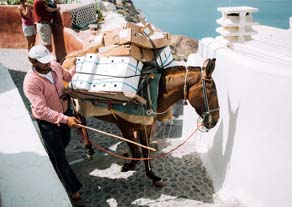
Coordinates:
x,y
28,26
44,16
43,86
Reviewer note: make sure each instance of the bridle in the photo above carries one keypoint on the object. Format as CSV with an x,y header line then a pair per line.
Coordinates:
x,y
207,114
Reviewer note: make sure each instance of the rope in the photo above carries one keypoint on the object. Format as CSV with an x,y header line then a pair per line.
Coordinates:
x,y
115,136
148,158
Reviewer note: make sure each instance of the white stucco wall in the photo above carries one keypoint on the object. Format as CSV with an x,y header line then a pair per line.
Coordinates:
x,y
27,178
248,154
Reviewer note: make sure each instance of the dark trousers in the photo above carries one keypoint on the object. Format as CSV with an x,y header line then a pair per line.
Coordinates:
x,y
56,139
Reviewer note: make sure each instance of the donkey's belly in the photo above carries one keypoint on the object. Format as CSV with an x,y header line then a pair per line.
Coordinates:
x,y
87,109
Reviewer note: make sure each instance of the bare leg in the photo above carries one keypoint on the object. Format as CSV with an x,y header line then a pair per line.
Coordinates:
x,y
30,41
49,47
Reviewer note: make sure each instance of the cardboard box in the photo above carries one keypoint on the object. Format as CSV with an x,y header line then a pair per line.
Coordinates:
x,y
129,35
160,39
85,68
135,27
148,29
96,41
117,74
142,54
118,37
147,55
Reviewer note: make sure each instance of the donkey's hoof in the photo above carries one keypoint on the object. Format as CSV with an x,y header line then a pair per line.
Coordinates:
x,y
159,184
126,154
127,167
90,157
154,145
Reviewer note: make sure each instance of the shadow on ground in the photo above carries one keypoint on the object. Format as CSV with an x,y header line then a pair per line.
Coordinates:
x,y
105,185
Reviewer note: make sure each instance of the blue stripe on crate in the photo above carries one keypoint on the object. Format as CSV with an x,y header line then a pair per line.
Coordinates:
x,y
166,60
95,62
135,68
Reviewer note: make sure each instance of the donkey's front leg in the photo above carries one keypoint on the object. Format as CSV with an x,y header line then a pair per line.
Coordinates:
x,y
144,138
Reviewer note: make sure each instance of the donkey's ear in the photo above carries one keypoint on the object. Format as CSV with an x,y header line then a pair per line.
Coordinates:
x,y
210,67
205,63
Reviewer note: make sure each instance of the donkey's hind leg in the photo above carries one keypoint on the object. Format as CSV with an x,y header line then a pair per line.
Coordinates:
x,y
145,140
135,152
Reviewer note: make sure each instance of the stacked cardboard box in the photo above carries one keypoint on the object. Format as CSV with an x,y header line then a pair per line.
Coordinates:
x,y
117,67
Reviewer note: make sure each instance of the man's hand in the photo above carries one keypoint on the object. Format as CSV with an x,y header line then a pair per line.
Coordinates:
x,y
73,122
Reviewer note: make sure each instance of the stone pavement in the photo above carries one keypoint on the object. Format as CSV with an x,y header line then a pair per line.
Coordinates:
x,y
188,183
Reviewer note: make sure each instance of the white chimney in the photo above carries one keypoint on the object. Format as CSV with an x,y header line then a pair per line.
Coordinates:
x,y
236,24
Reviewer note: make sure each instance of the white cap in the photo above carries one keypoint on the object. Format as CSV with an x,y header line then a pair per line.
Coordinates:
x,y
41,54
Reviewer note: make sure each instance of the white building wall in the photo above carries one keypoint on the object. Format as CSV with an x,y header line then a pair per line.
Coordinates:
x,y
27,178
248,154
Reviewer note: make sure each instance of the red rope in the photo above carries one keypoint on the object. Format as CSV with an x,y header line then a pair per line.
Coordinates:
x,y
148,158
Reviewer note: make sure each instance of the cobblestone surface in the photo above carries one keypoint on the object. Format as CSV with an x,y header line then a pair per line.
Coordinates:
x,y
188,183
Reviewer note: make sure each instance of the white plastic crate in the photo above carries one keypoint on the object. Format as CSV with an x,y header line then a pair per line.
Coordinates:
x,y
85,68
117,74
164,57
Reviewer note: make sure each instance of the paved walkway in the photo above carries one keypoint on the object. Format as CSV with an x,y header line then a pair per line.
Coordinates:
x,y
103,182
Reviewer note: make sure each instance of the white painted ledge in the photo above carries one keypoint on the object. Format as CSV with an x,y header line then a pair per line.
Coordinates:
x,y
27,177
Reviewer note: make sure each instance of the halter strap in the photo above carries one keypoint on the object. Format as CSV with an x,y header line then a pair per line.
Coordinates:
x,y
206,102
207,113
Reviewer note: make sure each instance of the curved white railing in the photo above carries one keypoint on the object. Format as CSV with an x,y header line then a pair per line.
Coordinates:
x,y
248,154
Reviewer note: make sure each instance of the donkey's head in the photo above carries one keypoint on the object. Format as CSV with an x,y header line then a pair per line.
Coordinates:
x,y
203,96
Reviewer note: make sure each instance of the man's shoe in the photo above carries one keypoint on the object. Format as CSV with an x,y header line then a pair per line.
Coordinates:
x,y
76,196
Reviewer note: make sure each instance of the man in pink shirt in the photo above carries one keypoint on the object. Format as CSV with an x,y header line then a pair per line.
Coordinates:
x,y
43,86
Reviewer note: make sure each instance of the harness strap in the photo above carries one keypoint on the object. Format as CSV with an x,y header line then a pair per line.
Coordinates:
x,y
114,114
185,87
149,96
110,105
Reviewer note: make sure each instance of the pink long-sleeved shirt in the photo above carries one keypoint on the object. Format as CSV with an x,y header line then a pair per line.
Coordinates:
x,y
44,96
